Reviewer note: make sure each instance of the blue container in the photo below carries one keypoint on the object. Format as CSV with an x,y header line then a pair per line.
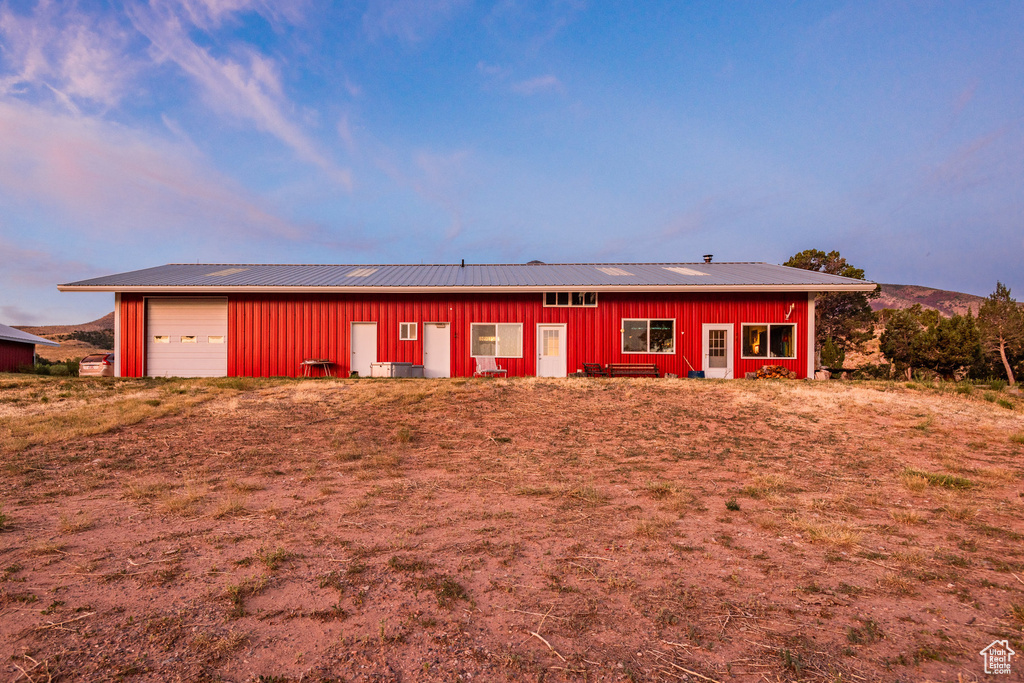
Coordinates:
x,y
695,374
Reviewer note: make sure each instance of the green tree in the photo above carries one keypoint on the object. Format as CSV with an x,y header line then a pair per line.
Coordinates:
x,y
832,356
955,345
1001,323
844,317
904,339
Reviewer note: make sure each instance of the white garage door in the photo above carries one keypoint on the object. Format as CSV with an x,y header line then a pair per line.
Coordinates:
x,y
187,337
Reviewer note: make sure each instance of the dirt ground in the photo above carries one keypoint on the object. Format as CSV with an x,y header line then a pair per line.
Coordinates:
x,y
493,530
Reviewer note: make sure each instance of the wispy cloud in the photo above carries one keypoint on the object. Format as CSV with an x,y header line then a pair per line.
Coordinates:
x,y
79,58
210,14
535,24
107,178
532,86
408,20
501,78
247,87
35,270
440,179
37,267
492,70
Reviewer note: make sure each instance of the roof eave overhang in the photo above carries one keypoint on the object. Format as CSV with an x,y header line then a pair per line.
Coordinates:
x,y
41,342
466,289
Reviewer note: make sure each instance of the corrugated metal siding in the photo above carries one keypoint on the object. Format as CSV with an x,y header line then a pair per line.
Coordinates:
x,y
270,335
14,354
132,351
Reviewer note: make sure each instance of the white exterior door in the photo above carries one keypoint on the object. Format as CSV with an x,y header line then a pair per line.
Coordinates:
x,y
437,350
187,337
551,351
364,347
717,350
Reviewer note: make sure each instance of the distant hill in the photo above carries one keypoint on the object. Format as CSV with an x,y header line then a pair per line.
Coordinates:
x,y
104,323
945,302
96,336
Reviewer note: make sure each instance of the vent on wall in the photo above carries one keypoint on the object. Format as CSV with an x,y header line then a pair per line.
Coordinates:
x,y
609,270
361,272
686,271
227,271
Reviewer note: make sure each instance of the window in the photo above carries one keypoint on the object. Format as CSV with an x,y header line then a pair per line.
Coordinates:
x,y
571,299
188,339
769,341
501,340
161,339
216,339
407,331
648,336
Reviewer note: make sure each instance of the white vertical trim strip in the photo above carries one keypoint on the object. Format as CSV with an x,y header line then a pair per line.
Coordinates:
x,y
810,335
117,335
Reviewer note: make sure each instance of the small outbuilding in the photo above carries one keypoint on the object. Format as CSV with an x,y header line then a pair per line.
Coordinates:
x,y
18,348
534,319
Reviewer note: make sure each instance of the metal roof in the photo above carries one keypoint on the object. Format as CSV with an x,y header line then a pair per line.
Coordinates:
x,y
11,334
193,277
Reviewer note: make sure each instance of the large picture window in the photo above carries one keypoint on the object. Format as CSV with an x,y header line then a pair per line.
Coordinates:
x,y
648,336
769,341
501,340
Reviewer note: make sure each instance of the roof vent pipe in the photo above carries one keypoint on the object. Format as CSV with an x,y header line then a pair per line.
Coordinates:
x,y
463,263
708,257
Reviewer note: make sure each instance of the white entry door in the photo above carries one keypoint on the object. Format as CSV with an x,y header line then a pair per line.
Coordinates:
x,y
364,347
718,350
437,350
551,350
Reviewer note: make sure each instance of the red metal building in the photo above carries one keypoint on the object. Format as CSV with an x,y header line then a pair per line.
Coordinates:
x,y
18,348
724,319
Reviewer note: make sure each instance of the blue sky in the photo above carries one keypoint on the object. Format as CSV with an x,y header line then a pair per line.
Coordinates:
x,y
407,131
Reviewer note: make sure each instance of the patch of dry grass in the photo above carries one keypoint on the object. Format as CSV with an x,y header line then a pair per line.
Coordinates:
x,y
651,528
101,407
237,593
245,486
897,584
48,548
766,486
74,524
216,646
230,506
183,503
659,490
906,516
146,490
914,482
832,533
960,513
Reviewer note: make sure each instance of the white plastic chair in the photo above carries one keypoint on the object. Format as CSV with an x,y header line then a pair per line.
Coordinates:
x,y
487,366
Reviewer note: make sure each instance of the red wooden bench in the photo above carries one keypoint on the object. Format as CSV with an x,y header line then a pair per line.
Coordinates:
x,y
633,370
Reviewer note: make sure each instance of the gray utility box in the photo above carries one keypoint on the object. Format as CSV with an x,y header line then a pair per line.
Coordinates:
x,y
395,370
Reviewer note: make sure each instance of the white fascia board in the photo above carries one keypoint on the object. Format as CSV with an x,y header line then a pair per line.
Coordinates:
x,y
197,289
35,341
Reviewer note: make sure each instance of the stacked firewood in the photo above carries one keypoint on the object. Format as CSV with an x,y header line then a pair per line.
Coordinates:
x,y
774,372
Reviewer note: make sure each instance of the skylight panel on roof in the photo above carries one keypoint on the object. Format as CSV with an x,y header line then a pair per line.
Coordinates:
x,y
227,271
361,272
609,270
686,271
